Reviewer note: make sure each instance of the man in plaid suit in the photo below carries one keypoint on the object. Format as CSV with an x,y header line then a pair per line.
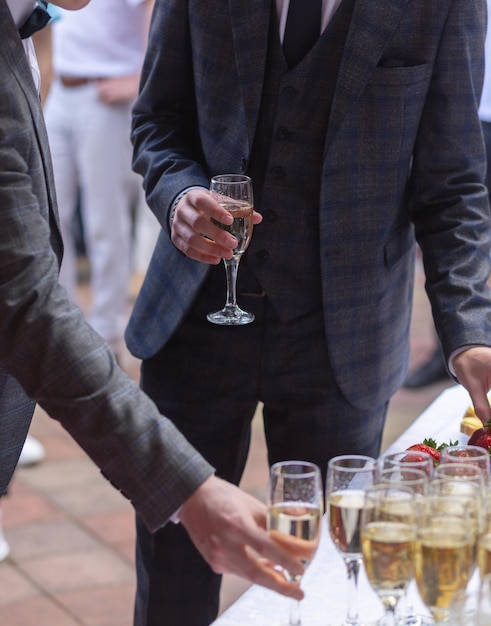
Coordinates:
x,y
369,142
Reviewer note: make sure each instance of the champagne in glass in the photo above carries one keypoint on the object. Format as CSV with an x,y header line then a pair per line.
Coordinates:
x,y
444,553
407,475
295,507
234,193
348,477
484,554
388,534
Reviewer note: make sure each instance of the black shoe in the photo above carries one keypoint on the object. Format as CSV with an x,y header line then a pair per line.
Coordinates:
x,y
430,372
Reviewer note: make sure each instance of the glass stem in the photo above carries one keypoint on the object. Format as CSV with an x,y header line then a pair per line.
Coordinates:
x,y
389,618
294,613
353,567
231,268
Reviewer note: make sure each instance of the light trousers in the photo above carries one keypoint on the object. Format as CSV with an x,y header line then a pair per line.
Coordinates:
x,y
91,152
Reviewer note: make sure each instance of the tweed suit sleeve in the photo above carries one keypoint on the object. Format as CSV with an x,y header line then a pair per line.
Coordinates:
x,y
47,346
449,202
165,128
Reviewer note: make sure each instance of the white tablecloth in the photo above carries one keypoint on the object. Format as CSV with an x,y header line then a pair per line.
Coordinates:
x,y
325,582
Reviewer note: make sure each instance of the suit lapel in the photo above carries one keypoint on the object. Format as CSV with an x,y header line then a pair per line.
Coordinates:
x,y
371,27
13,50
250,27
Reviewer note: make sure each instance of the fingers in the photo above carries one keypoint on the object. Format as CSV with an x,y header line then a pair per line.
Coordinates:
x,y
228,527
263,573
473,370
196,235
481,406
247,564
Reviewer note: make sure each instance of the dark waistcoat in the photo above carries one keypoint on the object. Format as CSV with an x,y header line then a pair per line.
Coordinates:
x,y
286,168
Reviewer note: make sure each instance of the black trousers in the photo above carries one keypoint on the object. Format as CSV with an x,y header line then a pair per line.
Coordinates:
x,y
208,380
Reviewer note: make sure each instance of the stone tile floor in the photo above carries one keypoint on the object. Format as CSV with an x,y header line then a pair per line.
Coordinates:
x,y
72,535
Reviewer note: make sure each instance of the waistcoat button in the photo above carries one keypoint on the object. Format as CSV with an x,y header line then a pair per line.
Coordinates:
x,y
290,92
277,172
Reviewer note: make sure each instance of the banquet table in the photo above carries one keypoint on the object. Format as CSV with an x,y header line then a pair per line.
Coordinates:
x,y
325,581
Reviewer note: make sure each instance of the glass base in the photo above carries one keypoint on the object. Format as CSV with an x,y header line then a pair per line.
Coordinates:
x,y
415,620
231,316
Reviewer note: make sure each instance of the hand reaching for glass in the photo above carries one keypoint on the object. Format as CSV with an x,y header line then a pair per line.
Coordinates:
x,y
228,527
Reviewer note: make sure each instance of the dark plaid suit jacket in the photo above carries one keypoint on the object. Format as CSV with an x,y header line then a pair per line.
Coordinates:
x,y
47,352
403,156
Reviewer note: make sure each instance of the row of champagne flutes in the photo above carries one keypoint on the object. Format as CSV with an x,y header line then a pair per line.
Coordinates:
x,y
401,518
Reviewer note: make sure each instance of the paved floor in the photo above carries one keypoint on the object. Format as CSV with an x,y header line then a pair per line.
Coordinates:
x,y
72,535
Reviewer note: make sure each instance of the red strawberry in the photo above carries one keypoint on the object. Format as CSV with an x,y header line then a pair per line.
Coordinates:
x,y
429,446
482,437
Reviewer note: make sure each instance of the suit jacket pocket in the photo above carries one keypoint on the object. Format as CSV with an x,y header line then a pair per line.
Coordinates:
x,y
393,72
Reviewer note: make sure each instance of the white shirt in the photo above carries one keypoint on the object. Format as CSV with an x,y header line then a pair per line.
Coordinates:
x,y
328,9
21,10
107,38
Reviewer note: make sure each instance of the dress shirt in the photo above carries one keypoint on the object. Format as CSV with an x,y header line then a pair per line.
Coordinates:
x,y
328,9
21,10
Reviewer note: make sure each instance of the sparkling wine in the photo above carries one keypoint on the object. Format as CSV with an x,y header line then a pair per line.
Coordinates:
x,y
484,554
344,510
242,225
388,553
296,526
443,564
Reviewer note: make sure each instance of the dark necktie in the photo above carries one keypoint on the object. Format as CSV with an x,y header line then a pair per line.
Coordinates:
x,y
303,25
38,19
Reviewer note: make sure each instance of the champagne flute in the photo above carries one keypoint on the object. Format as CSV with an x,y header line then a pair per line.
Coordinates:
x,y
409,458
387,539
417,480
470,494
484,543
473,455
295,508
463,472
444,552
483,617
348,477
234,193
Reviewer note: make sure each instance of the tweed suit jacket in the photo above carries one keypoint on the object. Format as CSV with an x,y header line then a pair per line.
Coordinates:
x,y
47,352
403,157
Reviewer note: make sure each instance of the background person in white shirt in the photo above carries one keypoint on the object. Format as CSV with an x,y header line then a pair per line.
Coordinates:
x,y
97,58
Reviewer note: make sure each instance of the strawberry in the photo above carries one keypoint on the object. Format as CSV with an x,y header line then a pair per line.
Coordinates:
x,y
482,437
431,447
